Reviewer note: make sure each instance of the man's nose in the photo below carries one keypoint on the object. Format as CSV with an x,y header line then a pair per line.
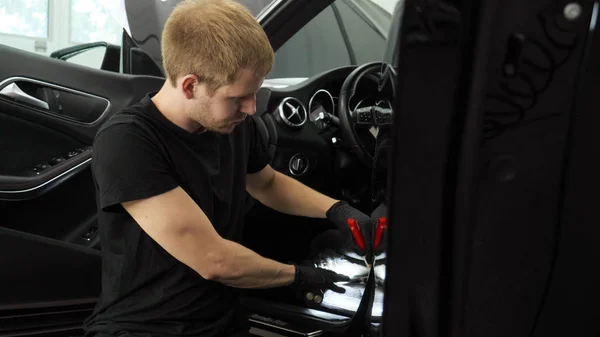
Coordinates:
x,y
249,105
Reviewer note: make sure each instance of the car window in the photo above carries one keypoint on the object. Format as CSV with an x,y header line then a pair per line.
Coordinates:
x,y
46,26
367,42
255,6
316,47
348,32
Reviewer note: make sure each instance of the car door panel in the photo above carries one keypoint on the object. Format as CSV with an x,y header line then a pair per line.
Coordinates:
x,y
68,209
119,89
17,134
43,293
43,149
77,105
55,101
50,111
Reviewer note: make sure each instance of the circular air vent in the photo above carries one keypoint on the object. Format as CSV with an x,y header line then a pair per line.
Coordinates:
x,y
298,164
292,112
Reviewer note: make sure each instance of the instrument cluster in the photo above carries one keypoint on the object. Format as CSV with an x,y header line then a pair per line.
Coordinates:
x,y
321,108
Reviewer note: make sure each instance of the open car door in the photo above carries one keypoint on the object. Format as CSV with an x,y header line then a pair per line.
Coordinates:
x,y
49,112
494,224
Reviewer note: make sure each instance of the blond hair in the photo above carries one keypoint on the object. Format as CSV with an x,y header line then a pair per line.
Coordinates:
x,y
213,39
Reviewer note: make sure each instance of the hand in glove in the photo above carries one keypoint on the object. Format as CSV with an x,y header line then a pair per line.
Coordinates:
x,y
311,278
355,226
379,218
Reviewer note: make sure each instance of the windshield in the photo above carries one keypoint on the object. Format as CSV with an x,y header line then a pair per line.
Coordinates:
x,y
348,32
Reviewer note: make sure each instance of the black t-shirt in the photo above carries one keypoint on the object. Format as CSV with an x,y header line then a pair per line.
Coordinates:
x,y
138,153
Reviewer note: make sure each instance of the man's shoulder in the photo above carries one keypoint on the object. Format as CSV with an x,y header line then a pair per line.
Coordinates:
x,y
132,118
256,130
249,126
128,130
127,136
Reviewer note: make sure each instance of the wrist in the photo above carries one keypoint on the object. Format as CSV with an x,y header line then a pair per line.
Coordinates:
x,y
289,274
329,206
333,205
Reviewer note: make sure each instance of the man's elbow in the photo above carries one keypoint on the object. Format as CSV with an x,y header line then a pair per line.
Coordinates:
x,y
212,271
263,185
216,265
209,275
208,259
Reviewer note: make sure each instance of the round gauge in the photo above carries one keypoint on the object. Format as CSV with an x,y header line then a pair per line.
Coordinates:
x,y
320,105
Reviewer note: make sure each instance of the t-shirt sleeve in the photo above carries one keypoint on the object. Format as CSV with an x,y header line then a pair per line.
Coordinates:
x,y
258,158
127,165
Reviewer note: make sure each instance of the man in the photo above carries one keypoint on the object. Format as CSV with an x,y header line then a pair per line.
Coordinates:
x,y
171,173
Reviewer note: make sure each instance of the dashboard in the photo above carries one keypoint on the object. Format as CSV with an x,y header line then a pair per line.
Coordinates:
x,y
301,127
323,104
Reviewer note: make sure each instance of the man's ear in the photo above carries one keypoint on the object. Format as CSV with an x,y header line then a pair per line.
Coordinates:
x,y
188,86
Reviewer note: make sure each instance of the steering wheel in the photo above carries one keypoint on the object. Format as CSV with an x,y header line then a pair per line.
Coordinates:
x,y
371,112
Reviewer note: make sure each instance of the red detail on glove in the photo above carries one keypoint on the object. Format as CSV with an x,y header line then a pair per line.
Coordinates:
x,y
381,226
356,233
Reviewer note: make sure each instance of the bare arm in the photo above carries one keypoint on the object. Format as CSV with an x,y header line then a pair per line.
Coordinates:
x,y
177,224
286,194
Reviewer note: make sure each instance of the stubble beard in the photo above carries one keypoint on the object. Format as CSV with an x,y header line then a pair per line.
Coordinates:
x,y
202,116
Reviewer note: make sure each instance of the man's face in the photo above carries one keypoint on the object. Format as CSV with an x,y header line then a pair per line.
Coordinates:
x,y
228,106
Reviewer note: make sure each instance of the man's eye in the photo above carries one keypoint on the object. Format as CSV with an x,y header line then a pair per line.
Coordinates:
x,y
238,100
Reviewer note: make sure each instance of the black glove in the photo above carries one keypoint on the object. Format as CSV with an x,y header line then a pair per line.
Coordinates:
x,y
340,213
311,278
380,217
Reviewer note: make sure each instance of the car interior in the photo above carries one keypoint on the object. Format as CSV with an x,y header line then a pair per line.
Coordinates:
x,y
313,147
330,131
494,179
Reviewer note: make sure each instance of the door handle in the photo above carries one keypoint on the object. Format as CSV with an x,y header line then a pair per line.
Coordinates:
x,y
13,91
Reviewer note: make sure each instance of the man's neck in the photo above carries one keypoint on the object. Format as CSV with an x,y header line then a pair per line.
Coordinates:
x,y
173,111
